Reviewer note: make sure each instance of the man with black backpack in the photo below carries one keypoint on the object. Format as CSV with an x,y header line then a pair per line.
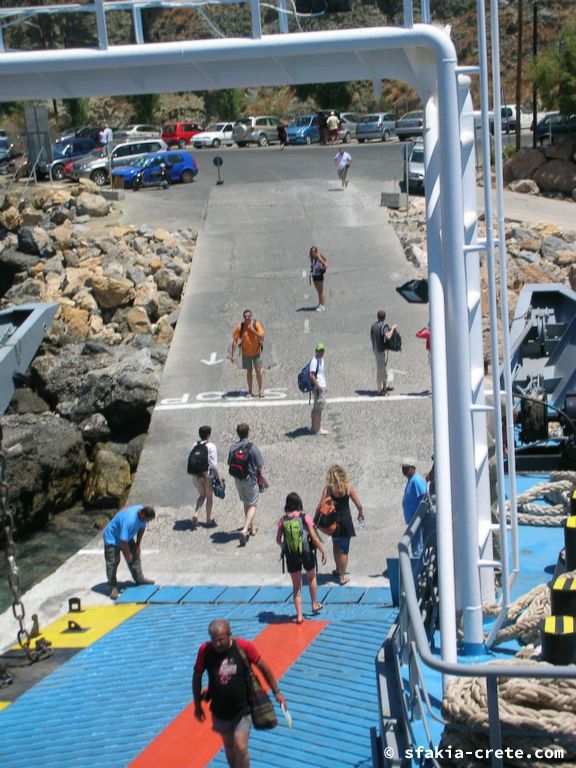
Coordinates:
x,y
380,335
203,466
245,464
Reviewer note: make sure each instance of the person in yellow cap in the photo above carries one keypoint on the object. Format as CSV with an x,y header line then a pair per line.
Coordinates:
x,y
318,377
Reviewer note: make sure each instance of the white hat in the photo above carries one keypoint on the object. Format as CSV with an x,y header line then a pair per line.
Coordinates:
x,y
407,461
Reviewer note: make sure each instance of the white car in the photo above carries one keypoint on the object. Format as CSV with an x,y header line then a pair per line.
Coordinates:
x,y
138,131
219,133
415,165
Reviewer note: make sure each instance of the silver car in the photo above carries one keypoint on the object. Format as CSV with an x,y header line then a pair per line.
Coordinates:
x,y
411,124
347,127
415,167
138,131
97,167
261,130
378,125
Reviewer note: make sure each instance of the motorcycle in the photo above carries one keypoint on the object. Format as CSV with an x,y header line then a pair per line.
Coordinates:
x,y
152,174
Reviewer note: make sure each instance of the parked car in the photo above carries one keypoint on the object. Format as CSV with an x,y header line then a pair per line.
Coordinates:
x,y
261,130
96,167
138,131
378,125
555,125
180,134
180,166
347,127
303,130
6,149
415,167
62,153
214,135
84,132
409,125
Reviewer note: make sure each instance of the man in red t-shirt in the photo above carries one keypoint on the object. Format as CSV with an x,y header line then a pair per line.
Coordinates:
x,y
228,690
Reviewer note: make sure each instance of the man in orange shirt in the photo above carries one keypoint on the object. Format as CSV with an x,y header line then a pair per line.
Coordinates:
x,y
249,335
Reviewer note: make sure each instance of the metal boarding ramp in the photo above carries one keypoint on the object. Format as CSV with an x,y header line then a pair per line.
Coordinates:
x,y
423,56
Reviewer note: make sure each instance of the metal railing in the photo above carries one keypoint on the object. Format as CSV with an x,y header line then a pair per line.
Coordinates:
x,y
409,647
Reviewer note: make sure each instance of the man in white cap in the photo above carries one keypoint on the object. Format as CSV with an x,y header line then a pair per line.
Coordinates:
x,y
318,378
333,124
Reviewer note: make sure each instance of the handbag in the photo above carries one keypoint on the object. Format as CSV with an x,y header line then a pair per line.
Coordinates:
x,y
325,517
261,708
394,343
219,487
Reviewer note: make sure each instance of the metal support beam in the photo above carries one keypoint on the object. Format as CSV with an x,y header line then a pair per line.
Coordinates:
x,y
101,24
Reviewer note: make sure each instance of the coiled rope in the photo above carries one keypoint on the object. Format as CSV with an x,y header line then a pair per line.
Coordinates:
x,y
557,492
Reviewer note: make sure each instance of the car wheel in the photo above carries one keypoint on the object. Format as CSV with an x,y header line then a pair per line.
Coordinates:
x,y
241,143
216,143
386,136
58,172
361,141
187,176
346,138
136,184
402,138
182,144
308,140
99,176
262,140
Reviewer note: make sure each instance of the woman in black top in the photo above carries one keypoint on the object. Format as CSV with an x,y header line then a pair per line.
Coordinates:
x,y
318,266
339,487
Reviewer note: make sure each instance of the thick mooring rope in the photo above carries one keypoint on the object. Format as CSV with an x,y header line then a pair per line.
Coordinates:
x,y
558,491
534,714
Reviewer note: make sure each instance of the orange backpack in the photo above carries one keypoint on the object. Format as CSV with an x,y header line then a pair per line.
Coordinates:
x,y
325,517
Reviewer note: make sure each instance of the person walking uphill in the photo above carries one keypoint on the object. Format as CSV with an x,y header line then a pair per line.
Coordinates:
x,y
343,162
318,378
318,267
123,534
299,542
226,659
341,490
245,463
250,335
380,333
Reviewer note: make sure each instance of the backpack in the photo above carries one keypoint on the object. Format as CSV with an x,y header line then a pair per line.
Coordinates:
x,y
238,463
304,381
394,343
325,517
198,459
296,535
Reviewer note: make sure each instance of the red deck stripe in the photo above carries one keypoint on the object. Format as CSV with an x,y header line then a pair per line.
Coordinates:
x,y
186,743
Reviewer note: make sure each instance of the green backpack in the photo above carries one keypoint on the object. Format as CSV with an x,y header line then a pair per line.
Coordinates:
x,y
296,537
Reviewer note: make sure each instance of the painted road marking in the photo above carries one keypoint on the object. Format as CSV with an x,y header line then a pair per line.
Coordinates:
x,y
186,743
101,552
306,326
213,360
182,405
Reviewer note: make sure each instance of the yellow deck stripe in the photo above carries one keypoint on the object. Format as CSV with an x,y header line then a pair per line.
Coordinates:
x,y
96,620
4,704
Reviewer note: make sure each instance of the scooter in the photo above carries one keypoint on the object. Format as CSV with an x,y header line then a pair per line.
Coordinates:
x,y
152,175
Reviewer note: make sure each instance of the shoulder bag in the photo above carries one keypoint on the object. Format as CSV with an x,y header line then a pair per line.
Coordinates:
x,y
262,709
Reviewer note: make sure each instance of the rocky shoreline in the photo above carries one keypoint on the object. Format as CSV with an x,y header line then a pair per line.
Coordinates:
x,y
76,424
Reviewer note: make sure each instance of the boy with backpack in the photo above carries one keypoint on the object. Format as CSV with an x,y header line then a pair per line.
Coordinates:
x,y
299,541
203,465
245,464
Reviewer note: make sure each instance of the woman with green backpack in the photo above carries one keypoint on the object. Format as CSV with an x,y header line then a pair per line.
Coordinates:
x,y
299,541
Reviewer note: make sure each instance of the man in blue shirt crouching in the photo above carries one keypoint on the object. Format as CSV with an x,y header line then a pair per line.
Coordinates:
x,y
124,534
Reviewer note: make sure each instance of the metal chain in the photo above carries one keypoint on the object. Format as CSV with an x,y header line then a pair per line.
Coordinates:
x,y
42,648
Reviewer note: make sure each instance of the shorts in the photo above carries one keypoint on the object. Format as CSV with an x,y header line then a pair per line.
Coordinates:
x,y
295,563
251,361
319,401
334,133
241,725
248,491
318,278
201,483
343,543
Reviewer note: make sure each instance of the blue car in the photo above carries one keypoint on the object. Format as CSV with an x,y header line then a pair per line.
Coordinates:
x,y
62,153
304,130
180,167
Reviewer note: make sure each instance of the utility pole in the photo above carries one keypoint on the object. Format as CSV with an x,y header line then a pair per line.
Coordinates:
x,y
519,73
534,57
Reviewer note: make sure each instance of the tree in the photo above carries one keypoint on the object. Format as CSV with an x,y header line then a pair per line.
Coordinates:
x,y
77,110
327,95
227,104
145,106
554,74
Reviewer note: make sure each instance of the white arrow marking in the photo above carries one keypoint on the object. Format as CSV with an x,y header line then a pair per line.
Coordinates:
x,y
212,361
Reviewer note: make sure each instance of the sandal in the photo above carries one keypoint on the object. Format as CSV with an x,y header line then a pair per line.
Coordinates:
x,y
344,580
316,607
299,621
261,394
253,531
248,395
211,524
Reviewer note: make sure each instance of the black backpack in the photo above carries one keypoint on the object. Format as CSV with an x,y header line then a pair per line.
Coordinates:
x,y
394,343
239,461
198,459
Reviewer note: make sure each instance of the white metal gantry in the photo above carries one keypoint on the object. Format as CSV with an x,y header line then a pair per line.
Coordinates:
x,y
423,56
